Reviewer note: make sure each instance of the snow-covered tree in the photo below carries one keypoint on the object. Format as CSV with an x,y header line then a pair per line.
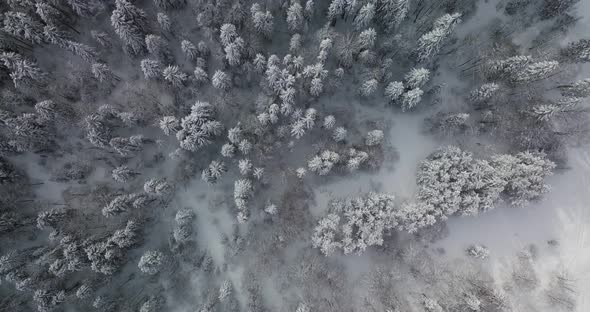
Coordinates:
x,y
23,26
158,47
483,93
393,12
174,76
221,80
577,52
394,90
130,24
151,262
411,98
151,69
123,174
369,87
295,16
580,88
339,134
227,34
374,137
169,124
242,192
356,223
451,181
164,21
199,127
417,77
431,42
478,252
245,166
323,163
524,175
329,122
189,49
169,4
263,21
365,16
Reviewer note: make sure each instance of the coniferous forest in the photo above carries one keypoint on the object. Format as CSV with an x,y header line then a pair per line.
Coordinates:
x,y
295,155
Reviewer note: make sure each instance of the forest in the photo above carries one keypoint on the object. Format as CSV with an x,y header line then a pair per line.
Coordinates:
x,y
294,155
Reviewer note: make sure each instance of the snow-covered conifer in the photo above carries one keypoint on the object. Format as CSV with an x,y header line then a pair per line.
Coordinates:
x,y
151,262
122,174
23,26
158,47
213,172
221,80
339,134
577,52
199,127
411,99
295,16
174,76
374,137
417,77
365,16
151,69
103,73
430,43
263,21
130,24
369,87
164,21
393,12
245,166
323,163
329,122
227,34
483,93
580,88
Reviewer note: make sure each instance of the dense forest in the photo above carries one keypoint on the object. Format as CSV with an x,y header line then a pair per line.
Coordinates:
x,y
293,155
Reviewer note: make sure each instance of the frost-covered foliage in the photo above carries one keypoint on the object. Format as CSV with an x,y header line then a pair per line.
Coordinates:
x,y
199,128
174,155
355,224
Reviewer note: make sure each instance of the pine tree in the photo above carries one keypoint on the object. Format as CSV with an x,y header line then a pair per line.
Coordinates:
x,y
577,52
151,262
295,16
483,93
374,137
158,47
417,77
174,76
199,127
189,49
430,43
169,4
394,90
234,51
151,68
103,73
323,163
263,21
227,34
393,12
369,87
23,26
221,80
580,88
123,174
411,98
130,24
164,21
365,16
